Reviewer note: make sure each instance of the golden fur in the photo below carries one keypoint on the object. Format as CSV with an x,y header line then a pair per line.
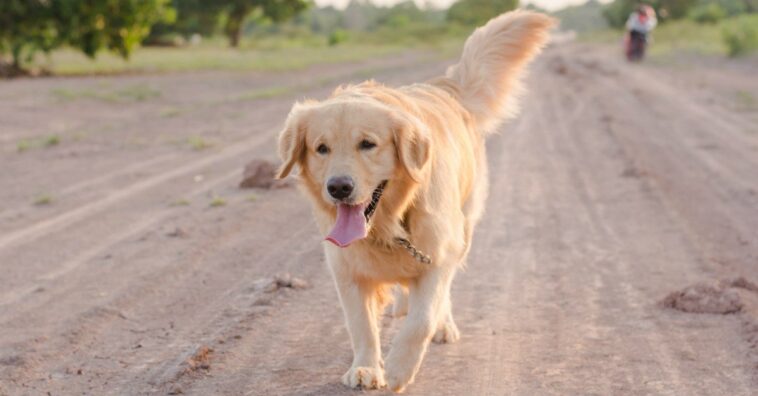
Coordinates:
x,y
430,147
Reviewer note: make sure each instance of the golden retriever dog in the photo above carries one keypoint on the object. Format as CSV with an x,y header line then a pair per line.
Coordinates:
x,y
398,180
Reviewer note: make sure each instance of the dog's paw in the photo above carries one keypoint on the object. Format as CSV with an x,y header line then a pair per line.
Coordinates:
x,y
364,378
447,333
398,378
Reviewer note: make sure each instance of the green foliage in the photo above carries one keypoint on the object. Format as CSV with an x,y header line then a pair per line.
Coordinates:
x,y
26,27
338,36
673,9
741,37
737,35
582,18
31,26
52,140
707,13
23,145
192,16
217,202
42,200
131,93
40,142
270,53
118,25
198,143
477,12
205,17
617,12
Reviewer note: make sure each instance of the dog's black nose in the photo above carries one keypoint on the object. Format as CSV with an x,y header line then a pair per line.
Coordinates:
x,y
340,187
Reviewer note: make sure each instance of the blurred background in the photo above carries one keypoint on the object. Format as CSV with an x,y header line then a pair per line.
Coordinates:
x,y
110,36
145,247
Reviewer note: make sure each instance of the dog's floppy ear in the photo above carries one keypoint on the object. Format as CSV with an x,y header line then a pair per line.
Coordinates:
x,y
292,139
413,145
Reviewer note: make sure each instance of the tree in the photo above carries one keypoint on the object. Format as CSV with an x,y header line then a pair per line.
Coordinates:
x,y
26,27
237,11
30,26
477,12
617,12
118,25
201,17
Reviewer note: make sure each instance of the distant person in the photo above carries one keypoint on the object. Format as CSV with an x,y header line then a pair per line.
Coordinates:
x,y
639,25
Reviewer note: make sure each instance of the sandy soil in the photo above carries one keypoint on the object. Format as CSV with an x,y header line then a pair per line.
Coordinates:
x,y
619,186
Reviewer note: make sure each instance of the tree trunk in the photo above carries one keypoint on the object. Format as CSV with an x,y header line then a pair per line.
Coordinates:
x,y
234,25
235,36
16,55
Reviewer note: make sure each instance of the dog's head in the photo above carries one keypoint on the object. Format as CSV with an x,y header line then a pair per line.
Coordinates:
x,y
351,152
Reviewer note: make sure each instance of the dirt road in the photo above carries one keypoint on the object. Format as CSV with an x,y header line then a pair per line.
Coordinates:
x,y
131,263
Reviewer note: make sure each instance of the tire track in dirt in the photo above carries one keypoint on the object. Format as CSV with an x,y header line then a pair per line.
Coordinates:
x,y
588,193
39,229
23,211
65,219
692,254
683,170
583,234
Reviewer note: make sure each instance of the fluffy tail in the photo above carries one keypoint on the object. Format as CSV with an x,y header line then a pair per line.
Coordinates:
x,y
493,61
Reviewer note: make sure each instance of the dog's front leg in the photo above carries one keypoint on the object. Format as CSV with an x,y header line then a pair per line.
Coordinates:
x,y
426,303
360,306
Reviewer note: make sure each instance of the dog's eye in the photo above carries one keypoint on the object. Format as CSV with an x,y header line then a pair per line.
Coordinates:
x,y
322,149
366,145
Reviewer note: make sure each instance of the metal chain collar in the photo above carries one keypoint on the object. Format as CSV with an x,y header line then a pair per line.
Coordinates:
x,y
417,254
403,242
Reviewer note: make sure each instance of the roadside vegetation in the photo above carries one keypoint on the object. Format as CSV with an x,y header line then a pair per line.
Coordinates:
x,y
40,142
186,35
240,35
707,27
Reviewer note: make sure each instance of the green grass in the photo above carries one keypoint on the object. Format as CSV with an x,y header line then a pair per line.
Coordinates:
x,y
198,143
23,145
746,101
181,202
52,140
741,35
132,93
217,202
169,112
41,142
266,93
43,200
275,56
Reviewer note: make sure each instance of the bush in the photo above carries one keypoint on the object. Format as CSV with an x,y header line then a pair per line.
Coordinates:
x,y
477,12
31,26
338,36
741,36
707,13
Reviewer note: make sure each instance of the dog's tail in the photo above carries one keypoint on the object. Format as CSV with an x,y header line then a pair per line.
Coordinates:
x,y
494,58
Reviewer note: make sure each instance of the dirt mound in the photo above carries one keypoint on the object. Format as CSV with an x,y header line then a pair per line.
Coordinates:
x,y
261,174
711,297
201,360
280,281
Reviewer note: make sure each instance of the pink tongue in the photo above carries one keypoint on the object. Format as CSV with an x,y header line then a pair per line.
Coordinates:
x,y
350,226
